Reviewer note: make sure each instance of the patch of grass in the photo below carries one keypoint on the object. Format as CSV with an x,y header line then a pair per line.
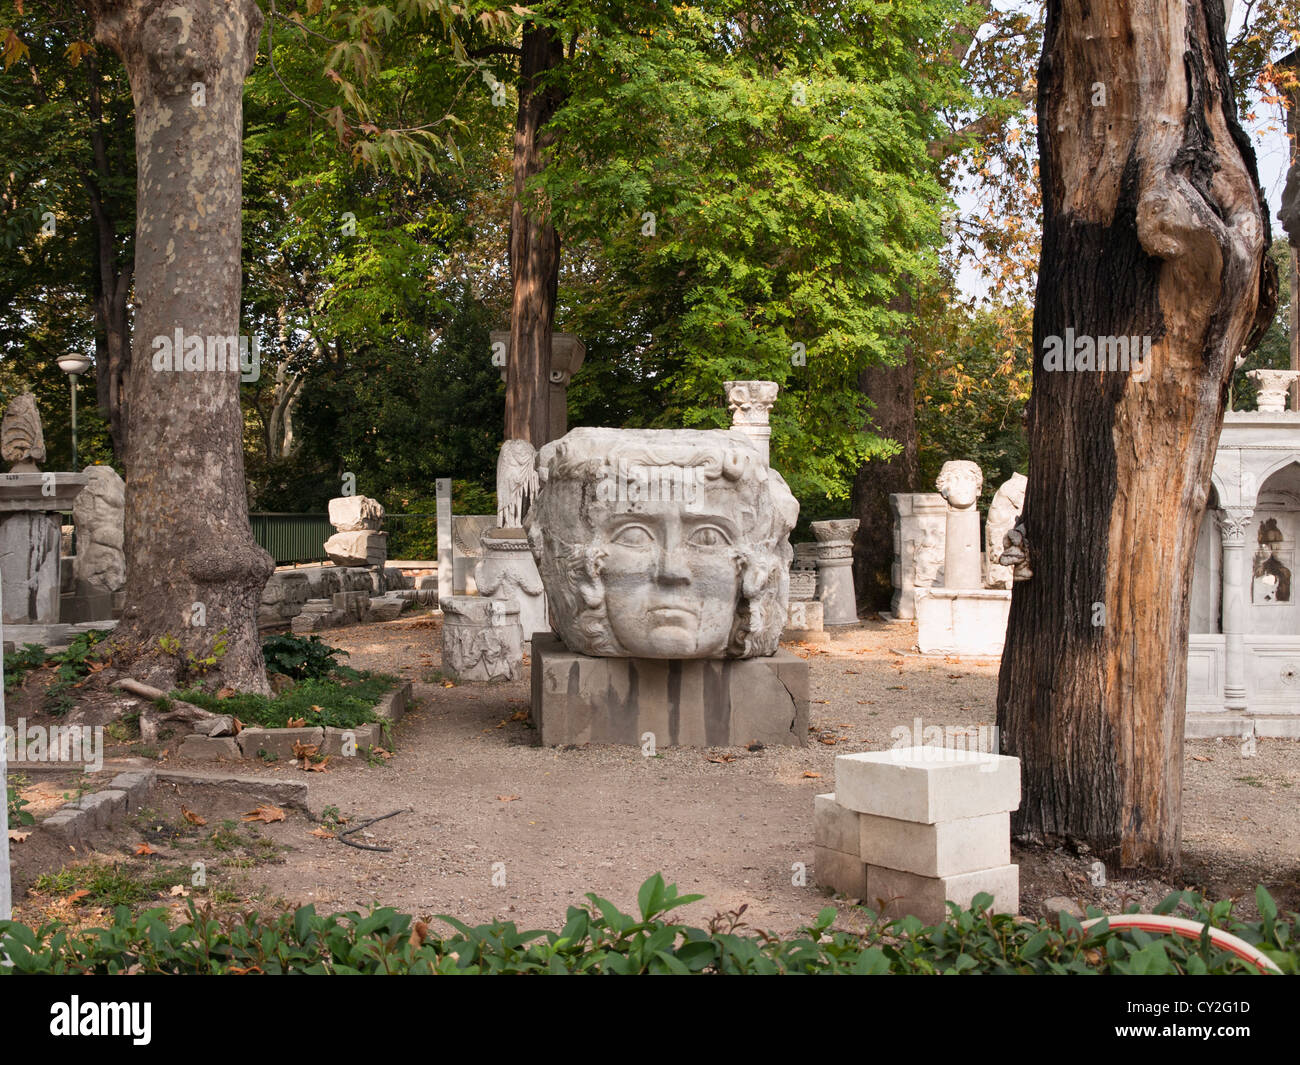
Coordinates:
x,y
112,885
342,703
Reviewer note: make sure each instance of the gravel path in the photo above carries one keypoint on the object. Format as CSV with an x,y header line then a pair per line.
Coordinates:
x,y
499,827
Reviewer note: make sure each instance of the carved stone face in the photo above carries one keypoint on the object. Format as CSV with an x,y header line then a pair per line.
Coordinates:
x,y
662,544
960,482
671,579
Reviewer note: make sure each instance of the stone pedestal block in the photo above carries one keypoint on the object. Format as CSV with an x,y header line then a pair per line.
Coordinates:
x,y
947,848
961,621
804,621
803,585
507,571
897,893
835,570
481,639
356,514
920,521
927,784
357,548
684,702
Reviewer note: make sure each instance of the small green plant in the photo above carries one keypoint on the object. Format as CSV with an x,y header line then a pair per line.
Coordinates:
x,y
15,803
331,818
342,702
21,662
72,666
299,657
190,665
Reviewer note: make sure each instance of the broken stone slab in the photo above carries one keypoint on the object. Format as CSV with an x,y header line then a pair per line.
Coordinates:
x,y
927,784
356,513
387,607
354,605
137,784
684,702
69,825
357,549
482,639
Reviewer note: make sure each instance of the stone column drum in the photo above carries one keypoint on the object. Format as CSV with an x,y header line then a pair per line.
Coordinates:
x,y
481,639
835,570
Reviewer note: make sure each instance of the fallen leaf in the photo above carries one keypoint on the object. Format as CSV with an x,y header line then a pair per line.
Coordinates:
x,y
192,817
316,767
322,833
17,837
315,709
418,932
810,775
851,672
144,848
179,891
721,758
897,688
226,693
245,972
519,715
296,722
237,724
80,893
1202,758
265,813
507,798
381,752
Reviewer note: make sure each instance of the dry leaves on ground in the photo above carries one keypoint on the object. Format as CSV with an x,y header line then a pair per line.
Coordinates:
x,y
266,813
191,816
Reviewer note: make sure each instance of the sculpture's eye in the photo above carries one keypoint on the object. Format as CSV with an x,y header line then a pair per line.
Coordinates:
x,y
633,536
709,536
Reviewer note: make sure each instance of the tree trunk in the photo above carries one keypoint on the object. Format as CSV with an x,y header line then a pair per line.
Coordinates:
x,y
194,573
534,246
1155,228
112,278
893,390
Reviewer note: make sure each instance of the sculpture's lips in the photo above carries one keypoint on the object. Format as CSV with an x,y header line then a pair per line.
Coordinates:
x,y
670,615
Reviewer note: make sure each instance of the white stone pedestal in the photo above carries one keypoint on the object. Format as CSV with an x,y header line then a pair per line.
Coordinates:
x,y
962,621
507,571
481,639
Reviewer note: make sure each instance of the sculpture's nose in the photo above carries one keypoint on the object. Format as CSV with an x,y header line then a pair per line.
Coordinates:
x,y
672,564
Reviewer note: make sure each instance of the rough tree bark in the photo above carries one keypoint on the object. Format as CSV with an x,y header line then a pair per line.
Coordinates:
x,y
1154,226
534,244
113,271
193,569
893,390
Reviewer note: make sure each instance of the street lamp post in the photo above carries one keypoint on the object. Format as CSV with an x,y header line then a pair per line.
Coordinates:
x,y
74,366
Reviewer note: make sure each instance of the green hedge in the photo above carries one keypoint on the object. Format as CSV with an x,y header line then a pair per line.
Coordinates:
x,y
599,938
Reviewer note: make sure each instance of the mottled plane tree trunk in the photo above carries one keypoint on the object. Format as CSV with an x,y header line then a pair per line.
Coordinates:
x,y
194,572
1154,228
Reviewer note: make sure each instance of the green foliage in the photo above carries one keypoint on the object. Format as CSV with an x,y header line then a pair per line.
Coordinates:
x,y
110,884
342,703
599,938
189,664
14,803
21,662
71,666
1274,351
300,657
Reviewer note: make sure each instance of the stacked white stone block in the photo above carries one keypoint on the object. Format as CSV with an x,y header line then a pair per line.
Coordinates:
x,y
909,829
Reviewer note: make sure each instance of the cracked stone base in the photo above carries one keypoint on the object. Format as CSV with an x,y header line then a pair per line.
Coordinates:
x,y
683,702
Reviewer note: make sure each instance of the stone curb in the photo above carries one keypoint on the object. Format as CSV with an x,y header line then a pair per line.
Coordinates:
x,y
75,821
279,742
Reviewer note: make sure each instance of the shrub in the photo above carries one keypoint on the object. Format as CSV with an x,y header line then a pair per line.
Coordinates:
x,y
302,658
599,938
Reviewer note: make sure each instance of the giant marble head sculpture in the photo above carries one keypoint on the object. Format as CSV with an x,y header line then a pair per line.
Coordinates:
x,y
662,543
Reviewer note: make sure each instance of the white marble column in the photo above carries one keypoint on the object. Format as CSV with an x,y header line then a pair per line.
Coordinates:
x,y
835,570
1232,523
750,403
446,567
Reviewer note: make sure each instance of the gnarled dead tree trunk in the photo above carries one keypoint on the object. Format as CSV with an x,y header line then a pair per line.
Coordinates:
x,y
193,569
1154,228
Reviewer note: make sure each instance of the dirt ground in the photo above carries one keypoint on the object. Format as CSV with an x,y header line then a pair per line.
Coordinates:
x,y
494,826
